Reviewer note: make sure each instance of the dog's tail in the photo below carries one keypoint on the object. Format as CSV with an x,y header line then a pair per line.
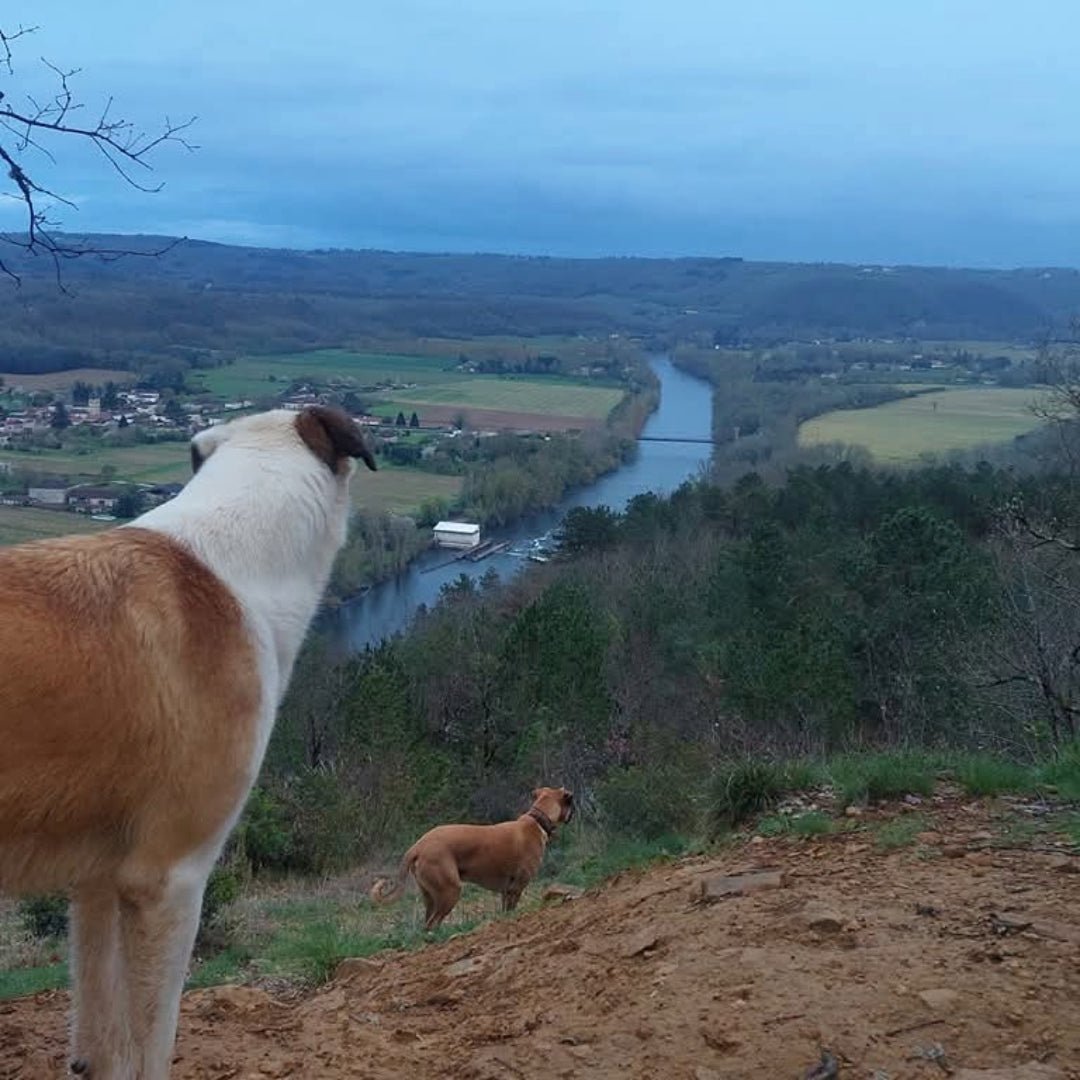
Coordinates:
x,y
386,889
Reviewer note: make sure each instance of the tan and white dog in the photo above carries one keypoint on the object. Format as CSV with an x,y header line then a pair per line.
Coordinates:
x,y
140,673
503,858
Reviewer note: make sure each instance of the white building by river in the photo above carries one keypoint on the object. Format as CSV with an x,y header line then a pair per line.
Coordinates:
x,y
457,534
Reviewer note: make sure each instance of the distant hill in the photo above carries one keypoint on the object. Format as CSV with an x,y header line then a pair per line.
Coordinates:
x,y
208,295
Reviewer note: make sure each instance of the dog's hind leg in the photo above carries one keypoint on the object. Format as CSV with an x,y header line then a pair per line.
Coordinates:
x,y
441,887
440,905
430,907
159,918
511,896
100,1038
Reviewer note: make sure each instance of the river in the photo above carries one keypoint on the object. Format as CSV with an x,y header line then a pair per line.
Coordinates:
x,y
685,411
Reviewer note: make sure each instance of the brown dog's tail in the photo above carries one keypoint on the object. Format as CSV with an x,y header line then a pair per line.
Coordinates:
x,y
386,889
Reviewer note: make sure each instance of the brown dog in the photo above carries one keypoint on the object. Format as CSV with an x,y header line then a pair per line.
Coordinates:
x,y
503,858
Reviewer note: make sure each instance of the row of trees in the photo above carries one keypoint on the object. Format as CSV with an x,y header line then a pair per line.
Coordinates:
x,y
841,609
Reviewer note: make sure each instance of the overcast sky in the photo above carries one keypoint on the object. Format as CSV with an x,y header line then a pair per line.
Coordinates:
x,y
892,131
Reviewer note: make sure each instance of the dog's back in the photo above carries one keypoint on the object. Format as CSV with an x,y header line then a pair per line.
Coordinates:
x,y
125,667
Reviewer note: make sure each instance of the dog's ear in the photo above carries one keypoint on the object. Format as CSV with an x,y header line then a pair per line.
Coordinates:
x,y
332,437
205,443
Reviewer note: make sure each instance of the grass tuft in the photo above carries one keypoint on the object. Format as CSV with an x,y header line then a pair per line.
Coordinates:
x,y
900,832
740,791
872,777
986,775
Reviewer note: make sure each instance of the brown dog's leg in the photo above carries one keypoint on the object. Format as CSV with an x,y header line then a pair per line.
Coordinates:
x,y
511,897
430,907
441,886
441,906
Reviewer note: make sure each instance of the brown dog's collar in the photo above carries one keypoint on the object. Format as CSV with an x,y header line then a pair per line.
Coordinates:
x,y
541,819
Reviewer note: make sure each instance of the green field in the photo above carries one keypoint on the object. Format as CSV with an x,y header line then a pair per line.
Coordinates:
x,y
255,378
547,396
19,523
149,463
260,376
62,380
393,488
899,432
401,490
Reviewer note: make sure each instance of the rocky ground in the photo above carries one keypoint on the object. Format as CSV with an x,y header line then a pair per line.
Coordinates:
x,y
957,954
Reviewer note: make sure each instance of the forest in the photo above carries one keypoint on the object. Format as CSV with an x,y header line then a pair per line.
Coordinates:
x,y
839,611
207,300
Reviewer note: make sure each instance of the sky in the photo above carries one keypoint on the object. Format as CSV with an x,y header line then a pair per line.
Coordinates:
x,y
871,131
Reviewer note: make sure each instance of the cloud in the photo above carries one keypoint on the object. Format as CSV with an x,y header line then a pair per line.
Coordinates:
x,y
844,130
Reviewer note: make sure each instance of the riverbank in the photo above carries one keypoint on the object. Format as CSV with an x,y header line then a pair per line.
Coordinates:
x,y
683,410
506,478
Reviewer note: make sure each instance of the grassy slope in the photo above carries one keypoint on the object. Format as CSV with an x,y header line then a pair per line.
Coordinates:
x,y
401,490
151,463
300,929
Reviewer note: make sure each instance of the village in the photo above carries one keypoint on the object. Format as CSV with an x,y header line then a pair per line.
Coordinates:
x,y
35,424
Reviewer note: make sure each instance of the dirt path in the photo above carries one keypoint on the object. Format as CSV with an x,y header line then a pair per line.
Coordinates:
x,y
945,958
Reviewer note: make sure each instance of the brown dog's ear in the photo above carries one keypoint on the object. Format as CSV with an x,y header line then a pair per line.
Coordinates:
x,y
332,436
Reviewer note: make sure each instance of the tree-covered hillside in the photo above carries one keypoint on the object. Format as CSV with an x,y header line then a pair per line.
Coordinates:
x,y
206,295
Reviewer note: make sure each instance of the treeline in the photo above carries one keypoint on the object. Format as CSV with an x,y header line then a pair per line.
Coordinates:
x,y
842,609
514,475
215,296
379,546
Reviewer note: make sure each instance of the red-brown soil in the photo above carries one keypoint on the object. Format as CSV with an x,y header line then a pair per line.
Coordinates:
x,y
945,958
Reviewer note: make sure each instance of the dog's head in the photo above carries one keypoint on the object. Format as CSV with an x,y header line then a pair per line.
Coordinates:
x,y
319,431
287,474
556,802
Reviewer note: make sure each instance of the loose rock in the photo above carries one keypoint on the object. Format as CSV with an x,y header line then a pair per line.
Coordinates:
x,y
560,894
709,890
820,917
940,999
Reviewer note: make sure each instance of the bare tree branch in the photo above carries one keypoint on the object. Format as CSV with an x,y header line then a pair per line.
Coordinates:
x,y
126,147
5,44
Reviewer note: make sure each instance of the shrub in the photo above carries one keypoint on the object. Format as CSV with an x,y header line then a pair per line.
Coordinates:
x,y
265,835
646,802
45,916
222,888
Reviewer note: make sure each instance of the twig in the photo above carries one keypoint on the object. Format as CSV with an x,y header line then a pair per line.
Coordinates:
x,y
782,1019
912,1027
121,143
